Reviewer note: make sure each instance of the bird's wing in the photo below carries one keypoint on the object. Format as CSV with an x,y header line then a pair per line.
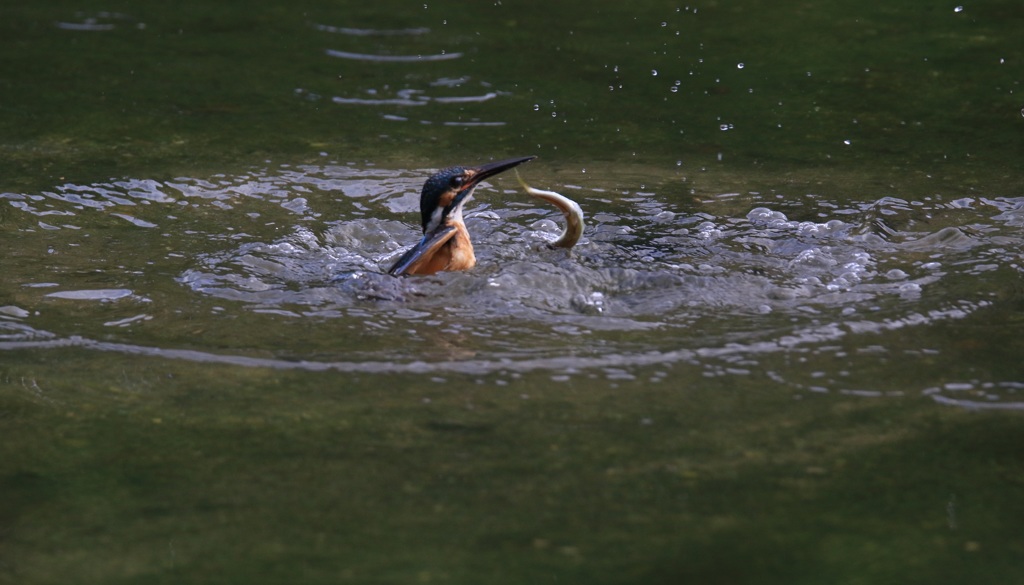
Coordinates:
x,y
423,251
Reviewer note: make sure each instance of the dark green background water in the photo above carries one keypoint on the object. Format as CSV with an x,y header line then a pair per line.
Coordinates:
x,y
303,447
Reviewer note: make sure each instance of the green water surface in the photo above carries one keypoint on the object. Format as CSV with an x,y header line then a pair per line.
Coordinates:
x,y
121,466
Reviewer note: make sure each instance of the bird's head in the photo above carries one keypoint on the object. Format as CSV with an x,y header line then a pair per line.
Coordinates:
x,y
449,189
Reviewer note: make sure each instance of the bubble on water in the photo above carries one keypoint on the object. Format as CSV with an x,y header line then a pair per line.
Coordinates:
x,y
846,142
673,89
536,107
896,274
725,127
909,289
740,65
654,72
958,9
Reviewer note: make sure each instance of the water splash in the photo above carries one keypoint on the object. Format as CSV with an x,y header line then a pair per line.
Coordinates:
x,y
731,286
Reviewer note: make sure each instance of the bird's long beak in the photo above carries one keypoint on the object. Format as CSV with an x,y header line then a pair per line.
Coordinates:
x,y
484,171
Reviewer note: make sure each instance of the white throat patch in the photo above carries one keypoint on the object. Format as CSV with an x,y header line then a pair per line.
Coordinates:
x,y
435,220
438,215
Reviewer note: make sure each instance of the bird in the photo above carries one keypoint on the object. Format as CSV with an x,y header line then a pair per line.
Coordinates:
x,y
446,244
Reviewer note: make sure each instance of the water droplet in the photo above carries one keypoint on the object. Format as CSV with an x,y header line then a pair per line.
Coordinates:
x,y
536,107
664,24
654,72
673,89
958,9
678,82
724,127
740,65
554,114
846,142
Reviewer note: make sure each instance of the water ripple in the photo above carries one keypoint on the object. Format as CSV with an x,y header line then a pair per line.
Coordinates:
x,y
392,58
733,286
369,32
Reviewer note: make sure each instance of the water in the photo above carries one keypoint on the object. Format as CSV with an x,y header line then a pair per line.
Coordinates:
x,y
757,284
789,335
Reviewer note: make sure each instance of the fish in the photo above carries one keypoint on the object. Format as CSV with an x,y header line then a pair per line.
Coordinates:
x,y
574,222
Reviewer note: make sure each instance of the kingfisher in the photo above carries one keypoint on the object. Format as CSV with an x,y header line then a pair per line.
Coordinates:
x,y
446,244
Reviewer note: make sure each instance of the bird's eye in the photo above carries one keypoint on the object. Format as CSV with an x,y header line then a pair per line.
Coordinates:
x,y
458,180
